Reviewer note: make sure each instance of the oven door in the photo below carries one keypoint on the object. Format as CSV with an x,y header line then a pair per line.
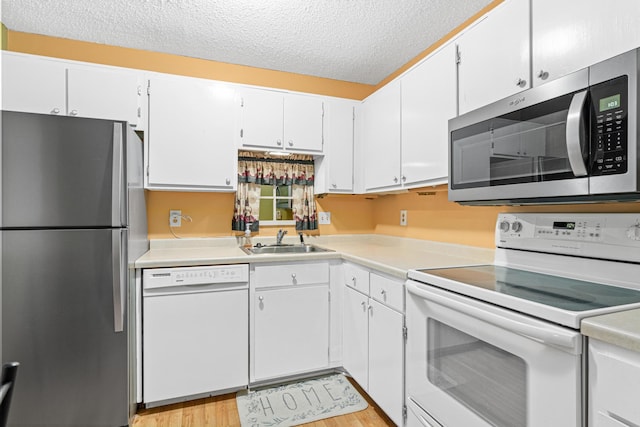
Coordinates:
x,y
473,364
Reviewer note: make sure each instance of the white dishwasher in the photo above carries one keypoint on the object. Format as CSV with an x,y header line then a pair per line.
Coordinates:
x,y
195,324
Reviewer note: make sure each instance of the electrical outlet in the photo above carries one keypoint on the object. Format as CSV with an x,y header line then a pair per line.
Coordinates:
x,y
175,218
403,217
324,218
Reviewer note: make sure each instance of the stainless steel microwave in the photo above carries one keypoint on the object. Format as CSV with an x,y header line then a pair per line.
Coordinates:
x,y
574,139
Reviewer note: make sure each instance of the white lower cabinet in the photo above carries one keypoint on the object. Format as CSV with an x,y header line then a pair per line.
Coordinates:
x,y
614,386
373,342
289,320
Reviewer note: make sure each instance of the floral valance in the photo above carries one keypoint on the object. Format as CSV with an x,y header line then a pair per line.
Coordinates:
x,y
263,169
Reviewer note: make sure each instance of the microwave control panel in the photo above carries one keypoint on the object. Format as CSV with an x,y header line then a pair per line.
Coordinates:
x,y
609,127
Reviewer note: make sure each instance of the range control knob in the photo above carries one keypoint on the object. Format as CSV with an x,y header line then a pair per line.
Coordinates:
x,y
504,226
516,226
633,232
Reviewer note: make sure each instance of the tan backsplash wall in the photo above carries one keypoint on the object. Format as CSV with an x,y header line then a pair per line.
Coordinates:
x,y
434,217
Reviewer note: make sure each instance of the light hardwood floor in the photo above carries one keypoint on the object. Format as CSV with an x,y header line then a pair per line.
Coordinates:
x,y
221,411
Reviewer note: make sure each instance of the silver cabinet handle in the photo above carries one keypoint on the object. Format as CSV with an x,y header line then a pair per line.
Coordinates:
x,y
370,308
334,185
383,292
279,142
55,111
574,144
227,180
521,83
260,299
364,305
293,276
353,279
74,112
395,179
404,178
543,75
290,143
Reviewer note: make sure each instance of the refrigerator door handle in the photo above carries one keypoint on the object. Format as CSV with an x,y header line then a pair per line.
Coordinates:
x,y
119,260
117,202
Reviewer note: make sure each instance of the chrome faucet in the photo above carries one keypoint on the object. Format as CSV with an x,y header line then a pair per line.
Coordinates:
x,y
281,234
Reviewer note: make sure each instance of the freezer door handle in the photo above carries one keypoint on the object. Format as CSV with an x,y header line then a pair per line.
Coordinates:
x,y
119,260
117,202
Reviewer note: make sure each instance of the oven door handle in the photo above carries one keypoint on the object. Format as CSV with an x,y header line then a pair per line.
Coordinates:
x,y
573,131
543,335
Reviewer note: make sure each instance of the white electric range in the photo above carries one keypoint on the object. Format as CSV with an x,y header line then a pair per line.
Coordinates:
x,y
499,344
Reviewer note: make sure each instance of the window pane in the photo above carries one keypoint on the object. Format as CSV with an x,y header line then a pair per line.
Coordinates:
x,y
266,191
266,209
284,209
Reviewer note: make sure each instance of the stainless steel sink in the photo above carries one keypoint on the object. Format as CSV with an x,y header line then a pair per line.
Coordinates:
x,y
284,249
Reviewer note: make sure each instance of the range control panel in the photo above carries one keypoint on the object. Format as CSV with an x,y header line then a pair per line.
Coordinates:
x,y
605,236
189,276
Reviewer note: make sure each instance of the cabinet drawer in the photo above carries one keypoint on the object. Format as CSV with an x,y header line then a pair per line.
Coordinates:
x,y
291,274
387,291
357,278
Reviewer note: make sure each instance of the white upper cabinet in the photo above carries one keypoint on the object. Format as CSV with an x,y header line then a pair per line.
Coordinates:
x,y
570,35
303,117
104,93
191,135
281,121
334,171
428,102
381,138
48,86
262,119
32,84
494,56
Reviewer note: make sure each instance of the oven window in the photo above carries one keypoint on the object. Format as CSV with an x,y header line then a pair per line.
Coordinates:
x,y
489,381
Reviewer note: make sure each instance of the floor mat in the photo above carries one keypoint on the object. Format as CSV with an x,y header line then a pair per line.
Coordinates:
x,y
299,403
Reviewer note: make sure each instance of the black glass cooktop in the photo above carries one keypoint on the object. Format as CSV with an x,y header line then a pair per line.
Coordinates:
x,y
559,292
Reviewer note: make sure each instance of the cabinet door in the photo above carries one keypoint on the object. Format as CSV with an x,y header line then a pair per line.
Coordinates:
x,y
303,117
104,93
494,56
428,102
291,331
262,118
33,85
355,336
573,34
339,115
386,355
381,139
191,128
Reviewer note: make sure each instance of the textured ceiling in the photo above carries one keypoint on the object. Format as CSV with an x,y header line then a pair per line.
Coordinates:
x,y
353,40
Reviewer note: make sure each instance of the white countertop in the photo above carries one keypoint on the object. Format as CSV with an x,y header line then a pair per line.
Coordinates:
x,y
387,254
621,329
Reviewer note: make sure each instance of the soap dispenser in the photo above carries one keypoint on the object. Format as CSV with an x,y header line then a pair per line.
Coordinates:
x,y
247,236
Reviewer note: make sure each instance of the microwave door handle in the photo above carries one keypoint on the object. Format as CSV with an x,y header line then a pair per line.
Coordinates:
x,y
536,333
574,144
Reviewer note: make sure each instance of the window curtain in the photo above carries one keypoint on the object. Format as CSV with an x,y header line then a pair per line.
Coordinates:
x,y
256,169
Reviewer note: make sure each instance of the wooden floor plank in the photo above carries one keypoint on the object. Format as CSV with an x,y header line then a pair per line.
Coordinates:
x,y
222,411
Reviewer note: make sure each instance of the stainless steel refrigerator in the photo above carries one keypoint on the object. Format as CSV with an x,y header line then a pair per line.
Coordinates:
x,y
73,220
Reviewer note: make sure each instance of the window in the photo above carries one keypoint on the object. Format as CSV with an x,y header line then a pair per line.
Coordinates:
x,y
276,205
